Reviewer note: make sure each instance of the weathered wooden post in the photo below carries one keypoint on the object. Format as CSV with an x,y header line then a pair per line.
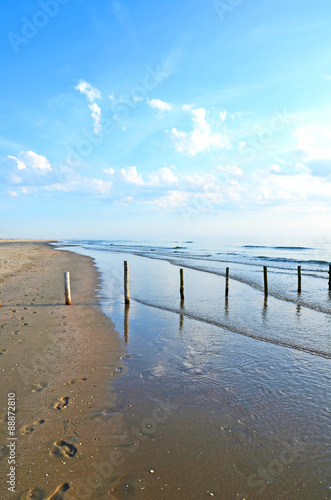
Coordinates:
x,y
181,271
265,275
67,291
329,277
227,282
299,279
126,282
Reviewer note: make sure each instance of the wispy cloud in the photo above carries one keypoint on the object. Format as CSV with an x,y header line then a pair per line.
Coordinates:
x,y
92,93
96,115
28,160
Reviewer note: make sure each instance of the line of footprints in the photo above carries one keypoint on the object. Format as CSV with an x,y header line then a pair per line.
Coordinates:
x,y
61,447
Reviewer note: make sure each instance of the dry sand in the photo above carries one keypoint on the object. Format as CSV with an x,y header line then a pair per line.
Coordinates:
x,y
59,361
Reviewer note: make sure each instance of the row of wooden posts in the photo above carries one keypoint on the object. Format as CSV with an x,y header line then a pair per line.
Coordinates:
x,y
67,291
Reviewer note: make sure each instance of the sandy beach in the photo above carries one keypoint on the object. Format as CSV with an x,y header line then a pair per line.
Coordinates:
x,y
59,362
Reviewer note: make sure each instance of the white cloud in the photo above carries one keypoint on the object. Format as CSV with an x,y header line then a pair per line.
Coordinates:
x,y
231,170
164,176
28,161
92,93
96,115
131,176
172,199
28,189
82,185
160,105
103,187
201,138
314,142
12,193
223,115
289,188
20,164
187,107
86,88
109,171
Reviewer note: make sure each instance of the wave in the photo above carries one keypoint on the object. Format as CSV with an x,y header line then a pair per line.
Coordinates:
x,y
295,261
232,329
277,248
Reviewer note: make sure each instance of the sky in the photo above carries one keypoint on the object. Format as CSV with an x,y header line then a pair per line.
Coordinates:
x,y
177,118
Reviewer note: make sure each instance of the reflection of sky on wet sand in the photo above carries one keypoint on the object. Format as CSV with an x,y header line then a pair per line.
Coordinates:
x,y
242,404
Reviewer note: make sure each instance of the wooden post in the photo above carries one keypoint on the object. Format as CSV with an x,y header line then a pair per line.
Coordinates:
x,y
299,279
67,291
265,274
181,284
329,277
227,282
126,282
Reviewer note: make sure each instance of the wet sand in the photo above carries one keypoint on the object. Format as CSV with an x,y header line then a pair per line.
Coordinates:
x,y
59,361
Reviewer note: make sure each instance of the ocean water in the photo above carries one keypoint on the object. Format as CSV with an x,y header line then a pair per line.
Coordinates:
x,y
225,397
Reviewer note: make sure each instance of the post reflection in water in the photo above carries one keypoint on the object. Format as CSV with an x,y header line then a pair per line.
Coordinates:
x,y
226,306
298,309
181,316
126,322
265,308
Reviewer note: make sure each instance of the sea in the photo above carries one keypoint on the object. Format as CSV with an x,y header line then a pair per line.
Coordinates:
x,y
225,396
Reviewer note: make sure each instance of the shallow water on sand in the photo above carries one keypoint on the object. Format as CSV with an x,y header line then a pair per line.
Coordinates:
x,y
224,398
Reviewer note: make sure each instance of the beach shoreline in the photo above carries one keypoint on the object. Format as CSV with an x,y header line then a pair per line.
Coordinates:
x,y
59,362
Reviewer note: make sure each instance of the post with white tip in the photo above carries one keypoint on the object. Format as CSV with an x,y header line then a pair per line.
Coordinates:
x,y
181,288
227,270
299,279
67,291
265,275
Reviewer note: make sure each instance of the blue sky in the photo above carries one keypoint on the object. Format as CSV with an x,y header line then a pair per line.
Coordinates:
x,y
174,118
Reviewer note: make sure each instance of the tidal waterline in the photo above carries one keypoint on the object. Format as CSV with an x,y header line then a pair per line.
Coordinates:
x,y
240,417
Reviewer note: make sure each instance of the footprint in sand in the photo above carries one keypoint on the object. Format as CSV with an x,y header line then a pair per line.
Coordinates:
x,y
35,494
30,428
74,380
62,447
39,387
59,492
60,405
125,356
